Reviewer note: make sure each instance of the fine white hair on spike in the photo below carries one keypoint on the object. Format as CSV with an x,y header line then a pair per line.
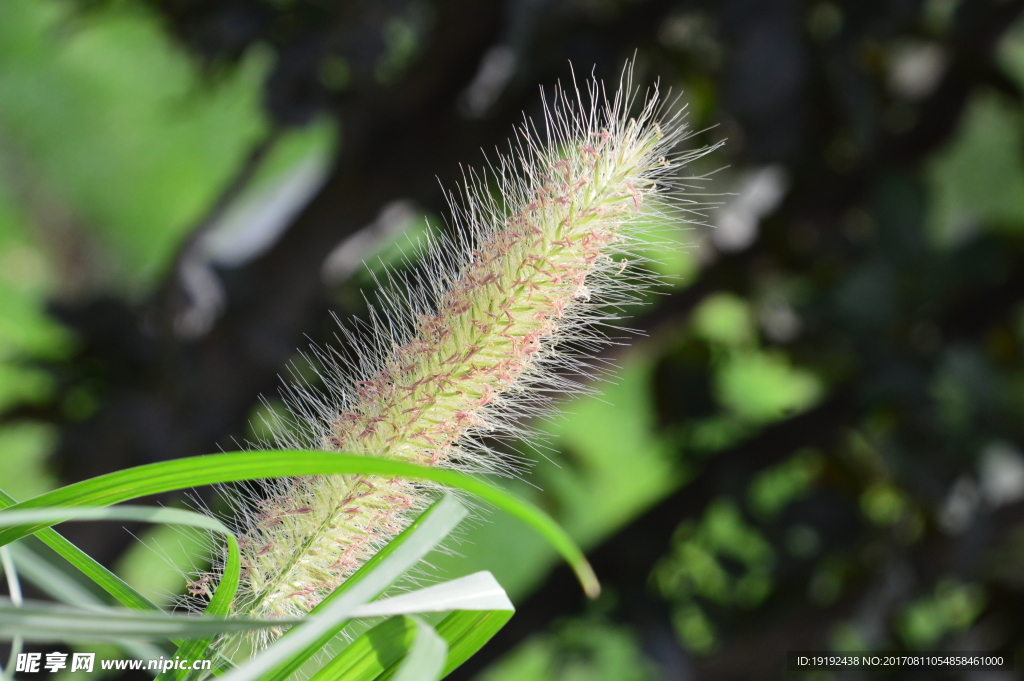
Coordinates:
x,y
543,247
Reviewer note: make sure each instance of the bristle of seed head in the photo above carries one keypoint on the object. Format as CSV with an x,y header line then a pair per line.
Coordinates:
x,y
520,287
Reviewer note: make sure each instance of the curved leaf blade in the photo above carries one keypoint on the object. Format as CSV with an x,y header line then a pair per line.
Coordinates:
x,y
382,647
123,592
426,658
368,656
220,605
478,591
148,514
190,472
46,622
62,587
468,631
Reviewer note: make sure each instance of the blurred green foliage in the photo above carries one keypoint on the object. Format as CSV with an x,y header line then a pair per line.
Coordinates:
x,y
976,180
953,607
109,141
109,117
578,651
113,145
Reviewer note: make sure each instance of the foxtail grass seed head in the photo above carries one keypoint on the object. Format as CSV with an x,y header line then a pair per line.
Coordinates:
x,y
543,244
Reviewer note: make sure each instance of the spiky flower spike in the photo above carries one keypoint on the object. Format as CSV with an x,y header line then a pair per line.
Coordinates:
x,y
468,348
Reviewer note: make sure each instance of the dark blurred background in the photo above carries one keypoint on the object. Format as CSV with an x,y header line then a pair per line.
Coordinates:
x,y
817,444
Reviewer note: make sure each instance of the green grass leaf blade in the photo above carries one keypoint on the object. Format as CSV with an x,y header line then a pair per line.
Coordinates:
x,y
50,580
478,591
293,649
47,622
226,589
382,647
62,587
230,578
426,658
466,632
369,655
10,518
148,514
220,605
166,476
14,589
123,592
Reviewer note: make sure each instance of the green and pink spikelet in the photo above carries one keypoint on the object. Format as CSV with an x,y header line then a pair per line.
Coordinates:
x,y
478,340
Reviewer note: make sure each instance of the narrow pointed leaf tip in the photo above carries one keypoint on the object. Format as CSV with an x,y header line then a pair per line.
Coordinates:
x,y
479,591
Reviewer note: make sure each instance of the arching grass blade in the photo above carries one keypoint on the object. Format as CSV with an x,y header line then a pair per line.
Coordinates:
x,y
195,471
